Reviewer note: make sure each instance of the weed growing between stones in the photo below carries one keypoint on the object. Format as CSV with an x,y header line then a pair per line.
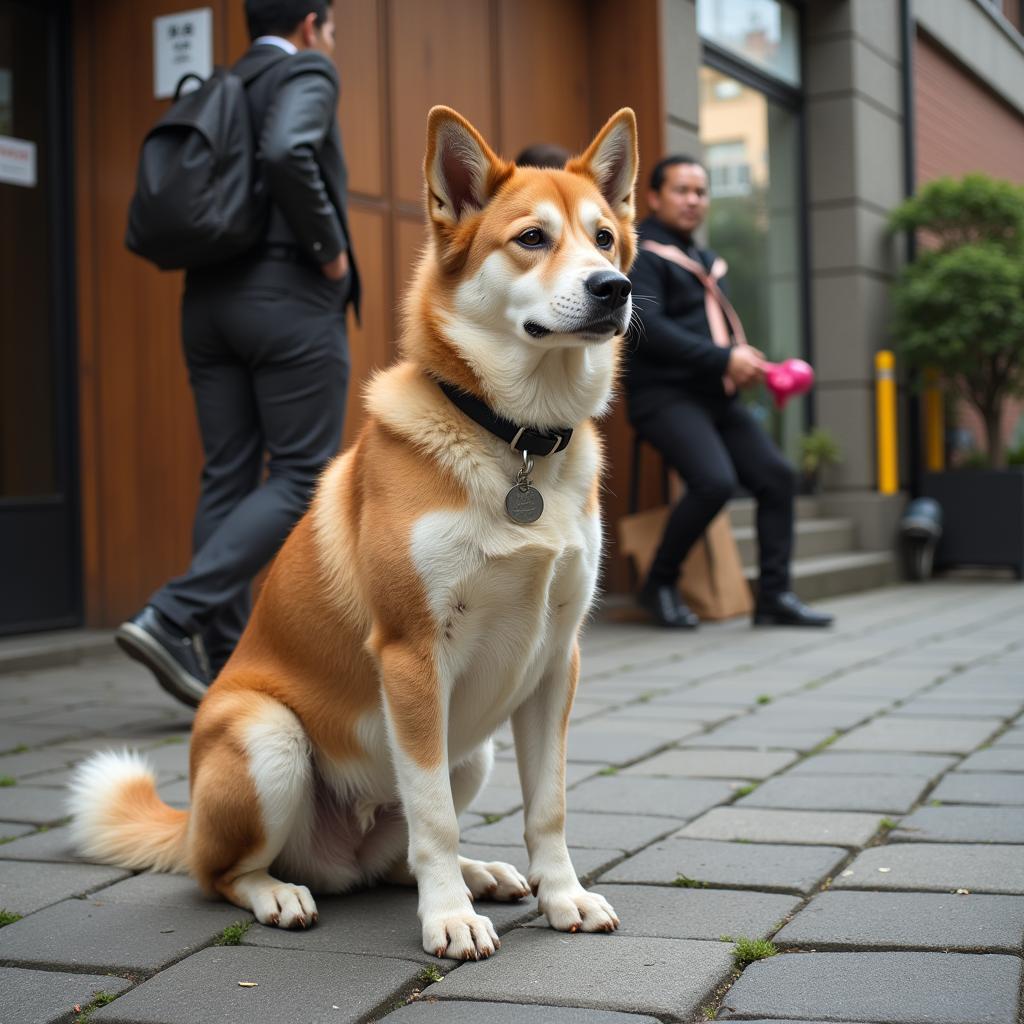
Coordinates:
x,y
747,789
610,770
98,1000
746,951
685,882
232,935
430,975
764,698
825,743
490,819
7,917
8,780
887,824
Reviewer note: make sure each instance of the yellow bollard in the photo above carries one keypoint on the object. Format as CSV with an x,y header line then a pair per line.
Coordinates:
x,y
885,420
934,413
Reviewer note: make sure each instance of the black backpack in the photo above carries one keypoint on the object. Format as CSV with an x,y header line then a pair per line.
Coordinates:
x,y
199,198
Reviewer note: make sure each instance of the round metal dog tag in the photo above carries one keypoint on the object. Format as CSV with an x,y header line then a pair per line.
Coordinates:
x,y
524,504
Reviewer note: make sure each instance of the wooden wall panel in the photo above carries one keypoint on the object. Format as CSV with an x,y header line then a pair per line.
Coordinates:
x,y
440,52
140,447
358,52
370,344
410,238
544,74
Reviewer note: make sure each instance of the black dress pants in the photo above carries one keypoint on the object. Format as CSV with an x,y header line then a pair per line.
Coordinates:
x,y
267,358
713,443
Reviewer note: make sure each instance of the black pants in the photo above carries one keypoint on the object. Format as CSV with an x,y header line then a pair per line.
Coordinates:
x,y
712,443
267,359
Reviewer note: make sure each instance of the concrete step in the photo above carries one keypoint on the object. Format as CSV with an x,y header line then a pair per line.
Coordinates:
x,y
814,538
742,510
829,575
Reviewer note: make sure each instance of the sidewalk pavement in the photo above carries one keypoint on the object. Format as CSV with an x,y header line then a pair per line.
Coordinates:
x,y
855,795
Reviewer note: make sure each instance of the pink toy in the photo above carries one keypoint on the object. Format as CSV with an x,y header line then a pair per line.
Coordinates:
x,y
785,380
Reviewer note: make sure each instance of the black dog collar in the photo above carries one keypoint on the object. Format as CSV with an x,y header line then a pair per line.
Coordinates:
x,y
522,439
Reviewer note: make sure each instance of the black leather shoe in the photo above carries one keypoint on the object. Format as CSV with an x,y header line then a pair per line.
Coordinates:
x,y
666,607
170,654
786,609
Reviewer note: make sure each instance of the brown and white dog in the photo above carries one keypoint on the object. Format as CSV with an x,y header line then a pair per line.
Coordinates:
x,y
408,616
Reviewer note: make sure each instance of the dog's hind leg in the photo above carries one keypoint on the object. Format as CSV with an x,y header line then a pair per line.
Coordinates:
x,y
251,792
492,880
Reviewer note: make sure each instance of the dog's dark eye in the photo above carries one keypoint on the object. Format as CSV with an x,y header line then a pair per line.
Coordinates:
x,y
532,238
604,238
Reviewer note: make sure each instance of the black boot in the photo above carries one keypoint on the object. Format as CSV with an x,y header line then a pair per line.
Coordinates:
x,y
786,609
168,652
665,606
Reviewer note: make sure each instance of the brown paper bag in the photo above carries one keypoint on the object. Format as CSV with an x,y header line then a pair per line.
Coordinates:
x,y
712,581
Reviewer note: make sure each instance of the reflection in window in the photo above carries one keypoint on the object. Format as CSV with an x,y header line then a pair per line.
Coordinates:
x,y
752,151
765,33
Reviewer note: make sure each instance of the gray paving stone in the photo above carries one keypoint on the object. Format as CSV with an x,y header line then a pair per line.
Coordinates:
x,y
1007,759
293,987
928,735
667,728
604,831
606,746
892,988
14,830
980,788
796,869
923,707
379,922
48,997
797,714
963,824
674,798
828,762
32,805
663,913
52,844
587,861
665,977
158,890
714,764
1010,738
427,1011
743,735
15,735
838,793
26,887
659,707
832,828
84,935
32,762
936,868
908,920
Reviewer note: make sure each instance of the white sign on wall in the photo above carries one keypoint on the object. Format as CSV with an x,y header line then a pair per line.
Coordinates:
x,y
182,44
17,162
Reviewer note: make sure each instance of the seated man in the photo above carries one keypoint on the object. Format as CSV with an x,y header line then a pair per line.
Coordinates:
x,y
686,364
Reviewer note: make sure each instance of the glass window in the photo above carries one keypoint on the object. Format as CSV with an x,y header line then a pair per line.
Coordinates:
x,y
752,149
764,33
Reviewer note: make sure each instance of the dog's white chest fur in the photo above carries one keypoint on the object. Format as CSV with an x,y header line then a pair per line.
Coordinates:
x,y
506,599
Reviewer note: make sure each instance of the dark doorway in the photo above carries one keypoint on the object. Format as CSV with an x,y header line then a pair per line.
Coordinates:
x,y
39,550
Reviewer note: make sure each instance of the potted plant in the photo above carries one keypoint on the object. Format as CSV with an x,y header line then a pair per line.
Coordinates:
x,y
959,308
818,449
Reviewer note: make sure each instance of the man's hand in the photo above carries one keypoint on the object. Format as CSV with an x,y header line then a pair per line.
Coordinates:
x,y
337,268
746,366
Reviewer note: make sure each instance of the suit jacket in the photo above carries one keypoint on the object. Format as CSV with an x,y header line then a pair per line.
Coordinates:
x,y
674,352
294,103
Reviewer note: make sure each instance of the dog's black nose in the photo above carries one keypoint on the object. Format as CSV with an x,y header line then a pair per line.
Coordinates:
x,y
610,287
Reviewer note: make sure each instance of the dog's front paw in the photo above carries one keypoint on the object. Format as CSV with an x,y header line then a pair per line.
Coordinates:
x,y
284,905
462,935
493,880
578,911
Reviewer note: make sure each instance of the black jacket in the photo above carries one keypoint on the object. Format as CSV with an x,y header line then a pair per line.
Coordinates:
x,y
294,109
672,350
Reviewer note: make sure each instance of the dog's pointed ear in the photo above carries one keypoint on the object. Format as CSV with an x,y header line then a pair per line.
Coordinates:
x,y
462,171
612,160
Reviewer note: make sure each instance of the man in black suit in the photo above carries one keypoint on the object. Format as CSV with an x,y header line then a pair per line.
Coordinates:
x,y
267,353
686,368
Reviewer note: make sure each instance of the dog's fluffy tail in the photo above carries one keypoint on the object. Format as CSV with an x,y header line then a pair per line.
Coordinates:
x,y
117,817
